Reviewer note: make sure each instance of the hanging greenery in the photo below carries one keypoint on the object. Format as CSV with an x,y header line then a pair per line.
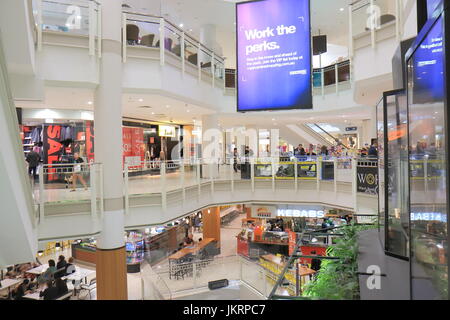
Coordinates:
x,y
338,279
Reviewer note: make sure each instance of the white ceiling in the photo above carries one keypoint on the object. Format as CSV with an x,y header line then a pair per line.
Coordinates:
x,y
166,109
162,109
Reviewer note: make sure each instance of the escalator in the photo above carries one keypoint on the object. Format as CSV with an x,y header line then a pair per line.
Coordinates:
x,y
320,129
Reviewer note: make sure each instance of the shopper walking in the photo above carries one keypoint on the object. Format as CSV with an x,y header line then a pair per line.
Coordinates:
x,y
33,160
77,172
235,160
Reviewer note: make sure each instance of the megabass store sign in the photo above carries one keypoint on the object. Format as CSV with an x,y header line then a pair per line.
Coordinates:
x,y
367,180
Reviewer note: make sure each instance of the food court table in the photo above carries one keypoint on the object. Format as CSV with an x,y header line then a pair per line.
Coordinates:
x,y
33,296
175,259
79,274
38,270
8,283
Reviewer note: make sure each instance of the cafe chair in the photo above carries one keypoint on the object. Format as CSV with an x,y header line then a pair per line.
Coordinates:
x,y
193,58
132,34
177,50
88,287
167,44
147,40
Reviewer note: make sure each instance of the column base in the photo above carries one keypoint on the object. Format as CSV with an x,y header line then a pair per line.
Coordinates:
x,y
111,271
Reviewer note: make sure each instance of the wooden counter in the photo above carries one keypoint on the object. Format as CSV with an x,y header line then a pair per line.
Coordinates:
x,y
185,251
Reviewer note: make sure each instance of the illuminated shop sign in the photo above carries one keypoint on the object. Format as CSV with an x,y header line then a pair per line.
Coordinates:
x,y
167,131
301,213
428,216
264,212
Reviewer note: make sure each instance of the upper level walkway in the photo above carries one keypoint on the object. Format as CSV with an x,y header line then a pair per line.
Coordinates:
x,y
156,193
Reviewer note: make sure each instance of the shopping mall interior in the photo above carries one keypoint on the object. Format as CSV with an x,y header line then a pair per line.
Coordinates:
x,y
268,150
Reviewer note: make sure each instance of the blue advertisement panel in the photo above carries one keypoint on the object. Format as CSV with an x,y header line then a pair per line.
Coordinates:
x,y
428,68
431,6
273,55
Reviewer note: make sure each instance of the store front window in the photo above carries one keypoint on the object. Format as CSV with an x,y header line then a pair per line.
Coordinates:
x,y
428,167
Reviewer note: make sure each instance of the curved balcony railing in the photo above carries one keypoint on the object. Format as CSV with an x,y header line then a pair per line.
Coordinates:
x,y
157,183
156,37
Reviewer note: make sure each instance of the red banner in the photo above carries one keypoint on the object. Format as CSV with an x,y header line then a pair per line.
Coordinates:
x,y
51,137
292,241
90,141
242,247
138,143
133,146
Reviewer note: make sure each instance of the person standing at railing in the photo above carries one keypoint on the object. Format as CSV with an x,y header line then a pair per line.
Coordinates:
x,y
77,172
372,153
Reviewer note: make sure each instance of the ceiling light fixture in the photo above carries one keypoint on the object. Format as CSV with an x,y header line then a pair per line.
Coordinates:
x,y
90,103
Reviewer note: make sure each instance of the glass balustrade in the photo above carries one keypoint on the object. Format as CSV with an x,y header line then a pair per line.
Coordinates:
x,y
175,182
68,16
366,17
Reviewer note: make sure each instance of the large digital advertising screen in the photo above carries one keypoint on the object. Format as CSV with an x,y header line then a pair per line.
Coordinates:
x,y
273,55
431,6
428,67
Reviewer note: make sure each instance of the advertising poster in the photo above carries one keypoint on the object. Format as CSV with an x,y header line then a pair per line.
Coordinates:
x,y
133,146
292,241
90,141
138,143
428,66
367,180
52,146
127,142
273,55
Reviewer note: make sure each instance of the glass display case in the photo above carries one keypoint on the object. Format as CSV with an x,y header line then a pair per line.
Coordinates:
x,y
428,127
135,249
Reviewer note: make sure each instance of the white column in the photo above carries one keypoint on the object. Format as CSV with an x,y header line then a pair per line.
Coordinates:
x,y
210,146
108,126
208,39
108,151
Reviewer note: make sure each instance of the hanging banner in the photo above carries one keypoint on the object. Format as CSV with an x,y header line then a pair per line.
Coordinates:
x,y
367,180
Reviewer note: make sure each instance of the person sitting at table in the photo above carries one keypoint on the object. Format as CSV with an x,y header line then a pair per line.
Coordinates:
x,y
22,289
61,267
50,293
189,240
61,286
70,267
10,273
49,274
